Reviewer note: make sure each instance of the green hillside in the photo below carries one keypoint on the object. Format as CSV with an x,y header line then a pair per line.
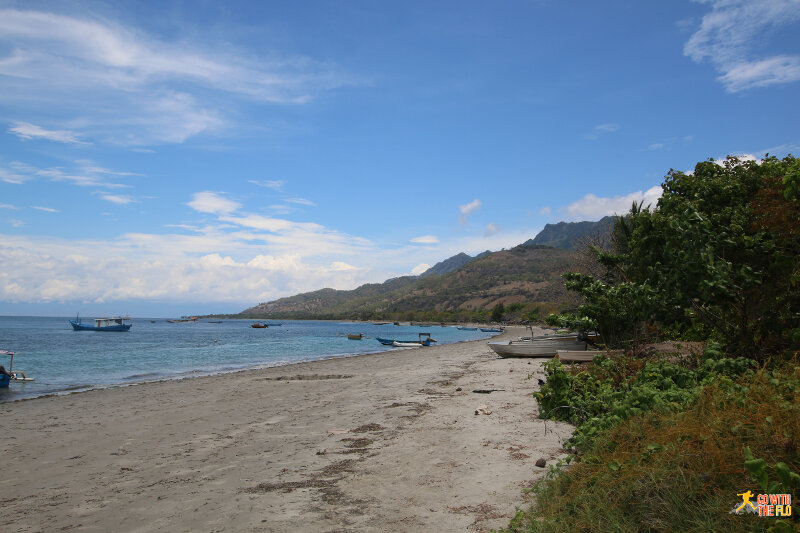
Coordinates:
x,y
523,279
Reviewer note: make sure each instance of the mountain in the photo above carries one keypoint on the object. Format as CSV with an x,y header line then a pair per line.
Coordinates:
x,y
448,265
526,274
570,235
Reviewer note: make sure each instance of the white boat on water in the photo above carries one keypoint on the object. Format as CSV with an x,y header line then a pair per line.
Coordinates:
x,y
539,347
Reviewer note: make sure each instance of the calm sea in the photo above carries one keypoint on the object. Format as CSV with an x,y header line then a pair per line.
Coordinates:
x,y
63,360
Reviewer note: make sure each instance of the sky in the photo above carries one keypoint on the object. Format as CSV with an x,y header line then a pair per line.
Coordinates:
x,y
186,157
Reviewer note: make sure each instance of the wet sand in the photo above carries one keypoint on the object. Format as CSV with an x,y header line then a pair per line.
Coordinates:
x,y
382,442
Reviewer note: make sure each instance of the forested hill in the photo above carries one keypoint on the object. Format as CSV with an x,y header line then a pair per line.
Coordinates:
x,y
525,278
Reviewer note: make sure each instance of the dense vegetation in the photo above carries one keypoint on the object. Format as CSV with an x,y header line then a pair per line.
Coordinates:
x,y
668,442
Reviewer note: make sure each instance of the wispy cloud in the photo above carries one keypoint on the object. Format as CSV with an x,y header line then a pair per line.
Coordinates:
x,y
467,209
491,229
8,206
426,239
733,35
83,174
45,209
212,202
600,129
118,199
59,58
592,207
300,201
27,131
270,184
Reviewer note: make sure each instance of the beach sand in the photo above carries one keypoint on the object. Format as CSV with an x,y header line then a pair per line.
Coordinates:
x,y
382,442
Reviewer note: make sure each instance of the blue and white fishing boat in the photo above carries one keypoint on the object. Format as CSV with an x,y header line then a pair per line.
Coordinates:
x,y
464,328
114,323
492,330
10,375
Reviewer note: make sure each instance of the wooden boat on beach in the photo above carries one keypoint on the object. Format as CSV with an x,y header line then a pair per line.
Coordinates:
x,y
258,325
543,347
11,375
114,323
355,336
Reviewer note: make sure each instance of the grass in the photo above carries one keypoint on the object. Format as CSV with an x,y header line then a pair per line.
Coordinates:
x,y
679,467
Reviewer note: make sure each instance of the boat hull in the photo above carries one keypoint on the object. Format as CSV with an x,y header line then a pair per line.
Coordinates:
x,y
539,348
84,327
4,381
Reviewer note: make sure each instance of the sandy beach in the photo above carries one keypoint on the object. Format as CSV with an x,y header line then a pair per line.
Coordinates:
x,y
382,442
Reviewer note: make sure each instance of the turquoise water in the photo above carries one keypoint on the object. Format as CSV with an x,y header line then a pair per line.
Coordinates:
x,y
63,360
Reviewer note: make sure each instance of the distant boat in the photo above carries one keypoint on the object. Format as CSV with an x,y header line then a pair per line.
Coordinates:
x,y
11,375
215,321
114,323
462,328
355,336
182,319
258,326
492,330
424,340
536,348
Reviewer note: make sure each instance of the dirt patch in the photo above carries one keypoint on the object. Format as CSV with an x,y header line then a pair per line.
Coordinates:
x,y
310,377
366,428
357,443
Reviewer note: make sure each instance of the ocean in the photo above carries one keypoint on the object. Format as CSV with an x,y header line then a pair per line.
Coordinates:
x,y
62,360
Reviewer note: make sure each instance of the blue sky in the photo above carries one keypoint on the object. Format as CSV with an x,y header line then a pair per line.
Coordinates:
x,y
177,157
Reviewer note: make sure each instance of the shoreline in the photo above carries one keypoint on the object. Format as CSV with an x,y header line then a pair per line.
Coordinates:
x,y
79,389
373,442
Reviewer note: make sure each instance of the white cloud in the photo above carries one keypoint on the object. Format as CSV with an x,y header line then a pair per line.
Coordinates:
x,y
211,202
656,146
340,266
731,35
592,207
420,268
117,199
491,229
83,174
300,201
426,239
270,184
26,131
45,209
545,211
600,129
468,209
107,72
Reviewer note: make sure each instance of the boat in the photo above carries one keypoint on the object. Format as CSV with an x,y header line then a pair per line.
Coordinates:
x,y
591,336
258,326
462,328
424,340
182,319
11,375
536,348
412,344
492,330
355,336
114,323
215,321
